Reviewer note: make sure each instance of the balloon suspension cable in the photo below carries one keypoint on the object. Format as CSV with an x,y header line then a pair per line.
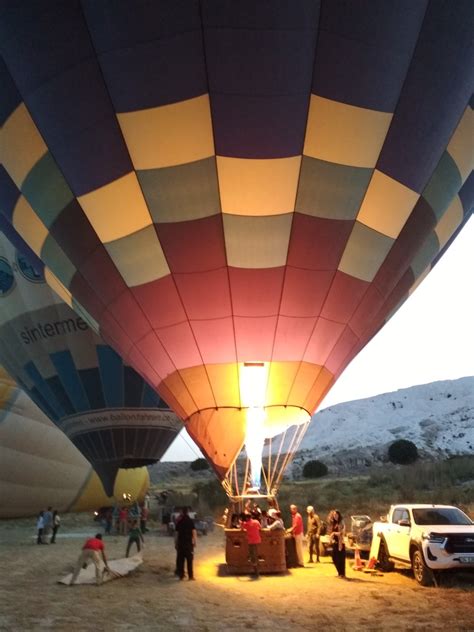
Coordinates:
x,y
271,474
271,478
268,472
295,443
236,478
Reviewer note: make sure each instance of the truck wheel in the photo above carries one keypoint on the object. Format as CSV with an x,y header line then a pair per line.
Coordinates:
x,y
423,575
384,562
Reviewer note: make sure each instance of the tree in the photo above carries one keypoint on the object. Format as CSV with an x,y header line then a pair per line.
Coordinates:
x,y
403,452
199,464
315,469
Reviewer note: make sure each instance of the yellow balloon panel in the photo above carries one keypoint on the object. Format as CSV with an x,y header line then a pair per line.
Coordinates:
x,y
40,467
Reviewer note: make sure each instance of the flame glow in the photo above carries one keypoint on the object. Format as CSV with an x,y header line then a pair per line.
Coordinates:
x,y
253,384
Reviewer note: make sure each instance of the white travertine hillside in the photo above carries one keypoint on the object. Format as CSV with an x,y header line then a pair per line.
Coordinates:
x,y
438,417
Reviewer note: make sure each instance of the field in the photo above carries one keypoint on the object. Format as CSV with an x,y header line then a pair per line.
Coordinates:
x,y
153,599
450,481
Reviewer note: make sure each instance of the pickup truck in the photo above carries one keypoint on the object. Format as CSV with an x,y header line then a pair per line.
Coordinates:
x,y
428,538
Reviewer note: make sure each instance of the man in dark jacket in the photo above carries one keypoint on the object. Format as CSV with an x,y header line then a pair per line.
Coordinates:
x,y
185,542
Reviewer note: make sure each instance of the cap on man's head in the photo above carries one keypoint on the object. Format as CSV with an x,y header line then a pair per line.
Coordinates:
x,y
272,513
310,509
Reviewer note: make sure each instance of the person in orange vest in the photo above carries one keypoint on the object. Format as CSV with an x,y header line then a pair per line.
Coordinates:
x,y
297,531
90,553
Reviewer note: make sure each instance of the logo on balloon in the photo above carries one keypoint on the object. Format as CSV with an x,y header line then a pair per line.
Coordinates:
x,y
28,270
7,280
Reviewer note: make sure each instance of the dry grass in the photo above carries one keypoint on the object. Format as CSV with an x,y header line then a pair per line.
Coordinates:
x,y
152,598
448,482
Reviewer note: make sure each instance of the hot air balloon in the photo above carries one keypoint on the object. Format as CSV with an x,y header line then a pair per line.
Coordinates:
x,y
111,415
238,194
39,466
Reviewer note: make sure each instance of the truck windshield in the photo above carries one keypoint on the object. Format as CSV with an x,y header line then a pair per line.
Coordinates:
x,y
440,515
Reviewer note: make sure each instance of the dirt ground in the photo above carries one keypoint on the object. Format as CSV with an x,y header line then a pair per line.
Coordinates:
x,y
153,599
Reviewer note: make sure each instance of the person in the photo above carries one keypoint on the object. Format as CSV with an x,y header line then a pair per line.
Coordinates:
x,y
252,526
56,525
297,531
90,553
123,521
276,520
48,524
185,543
313,531
337,533
109,518
115,518
40,527
144,518
134,537
264,519
235,521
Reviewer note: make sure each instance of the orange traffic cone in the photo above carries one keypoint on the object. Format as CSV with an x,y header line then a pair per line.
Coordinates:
x,y
358,563
372,563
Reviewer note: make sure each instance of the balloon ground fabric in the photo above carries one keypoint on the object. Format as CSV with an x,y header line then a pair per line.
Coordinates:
x,y
40,467
235,189
111,415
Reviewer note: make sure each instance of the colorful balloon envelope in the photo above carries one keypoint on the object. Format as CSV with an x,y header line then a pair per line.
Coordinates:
x,y
40,467
111,415
238,193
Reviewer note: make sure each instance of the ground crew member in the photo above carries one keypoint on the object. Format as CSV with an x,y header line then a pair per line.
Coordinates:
x,y
90,553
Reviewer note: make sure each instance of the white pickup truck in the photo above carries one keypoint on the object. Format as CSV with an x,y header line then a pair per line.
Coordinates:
x,y
429,538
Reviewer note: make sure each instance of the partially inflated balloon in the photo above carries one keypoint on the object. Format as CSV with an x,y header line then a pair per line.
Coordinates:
x,y
39,466
111,415
238,193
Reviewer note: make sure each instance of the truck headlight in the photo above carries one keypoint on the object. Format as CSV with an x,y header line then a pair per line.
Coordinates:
x,y
434,538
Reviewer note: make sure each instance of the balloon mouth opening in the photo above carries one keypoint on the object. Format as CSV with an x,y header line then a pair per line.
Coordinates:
x,y
130,463
107,470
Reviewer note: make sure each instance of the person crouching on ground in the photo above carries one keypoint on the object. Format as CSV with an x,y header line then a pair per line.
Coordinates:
x,y
297,531
90,553
337,532
185,543
134,537
252,526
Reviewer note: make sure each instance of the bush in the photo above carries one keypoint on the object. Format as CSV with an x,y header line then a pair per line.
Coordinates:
x,y
314,469
210,494
403,452
199,464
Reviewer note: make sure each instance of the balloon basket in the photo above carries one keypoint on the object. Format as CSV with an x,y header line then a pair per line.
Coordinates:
x,y
271,552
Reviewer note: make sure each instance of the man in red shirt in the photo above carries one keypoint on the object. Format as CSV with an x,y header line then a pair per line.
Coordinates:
x,y
90,553
252,527
297,531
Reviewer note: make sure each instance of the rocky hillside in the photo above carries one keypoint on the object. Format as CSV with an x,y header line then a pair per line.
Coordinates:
x,y
437,417
349,437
